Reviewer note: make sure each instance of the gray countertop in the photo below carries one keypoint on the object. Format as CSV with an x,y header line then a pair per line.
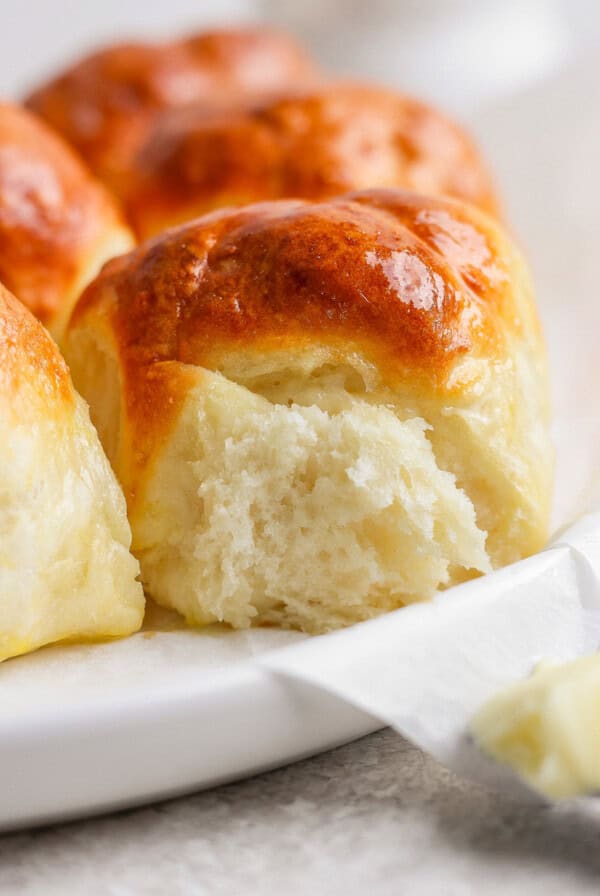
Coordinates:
x,y
374,817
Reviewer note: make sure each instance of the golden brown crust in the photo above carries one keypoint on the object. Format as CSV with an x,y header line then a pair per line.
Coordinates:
x,y
104,104
314,145
53,214
29,357
411,284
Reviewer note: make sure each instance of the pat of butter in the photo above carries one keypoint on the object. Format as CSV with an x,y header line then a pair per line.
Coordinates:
x,y
548,728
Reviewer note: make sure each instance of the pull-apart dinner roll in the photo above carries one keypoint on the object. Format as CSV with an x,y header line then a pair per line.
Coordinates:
x,y
320,411
104,103
314,145
58,225
65,567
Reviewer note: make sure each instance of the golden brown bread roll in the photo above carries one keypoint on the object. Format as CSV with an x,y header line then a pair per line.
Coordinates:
x,y
104,103
57,224
65,567
320,411
314,145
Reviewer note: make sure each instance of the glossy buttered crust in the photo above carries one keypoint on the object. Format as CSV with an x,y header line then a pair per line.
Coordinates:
x,y
57,223
314,145
65,567
103,104
419,287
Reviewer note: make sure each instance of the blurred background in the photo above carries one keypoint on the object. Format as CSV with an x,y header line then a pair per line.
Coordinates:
x,y
458,52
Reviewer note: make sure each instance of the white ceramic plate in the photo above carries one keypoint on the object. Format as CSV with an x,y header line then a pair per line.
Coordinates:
x,y
85,729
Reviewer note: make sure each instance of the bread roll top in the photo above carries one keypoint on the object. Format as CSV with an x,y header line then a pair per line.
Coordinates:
x,y
315,144
103,104
421,291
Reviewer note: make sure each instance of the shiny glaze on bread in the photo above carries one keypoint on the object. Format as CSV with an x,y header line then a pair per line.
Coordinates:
x,y
104,103
315,144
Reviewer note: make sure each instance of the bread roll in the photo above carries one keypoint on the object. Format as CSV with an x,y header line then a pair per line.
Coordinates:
x,y
315,145
57,224
65,567
104,103
320,411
